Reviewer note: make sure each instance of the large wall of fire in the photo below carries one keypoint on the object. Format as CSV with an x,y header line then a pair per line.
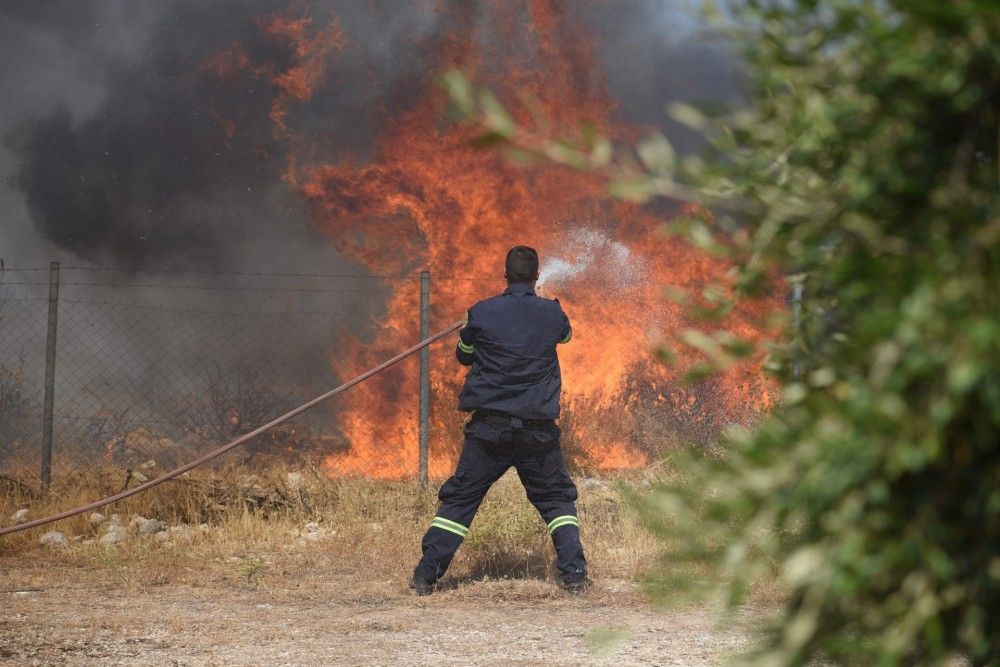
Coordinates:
x,y
422,197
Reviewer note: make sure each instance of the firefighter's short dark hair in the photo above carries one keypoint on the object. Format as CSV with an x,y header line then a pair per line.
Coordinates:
x,y
521,265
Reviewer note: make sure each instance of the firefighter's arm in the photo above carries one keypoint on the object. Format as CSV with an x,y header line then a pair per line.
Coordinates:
x,y
465,351
567,331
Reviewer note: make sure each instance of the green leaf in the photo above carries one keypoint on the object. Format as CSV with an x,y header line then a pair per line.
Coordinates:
x,y
601,152
495,117
688,115
700,372
488,140
631,189
459,92
657,155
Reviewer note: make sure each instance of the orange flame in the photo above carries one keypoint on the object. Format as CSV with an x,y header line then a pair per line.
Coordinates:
x,y
428,200
309,52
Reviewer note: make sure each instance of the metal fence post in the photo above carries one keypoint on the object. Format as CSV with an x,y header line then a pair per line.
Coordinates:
x,y
797,327
425,387
50,374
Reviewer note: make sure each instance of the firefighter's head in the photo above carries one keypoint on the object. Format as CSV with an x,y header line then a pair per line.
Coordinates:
x,y
521,265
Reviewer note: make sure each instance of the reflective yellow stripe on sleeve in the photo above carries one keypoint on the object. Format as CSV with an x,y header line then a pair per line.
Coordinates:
x,y
568,337
468,349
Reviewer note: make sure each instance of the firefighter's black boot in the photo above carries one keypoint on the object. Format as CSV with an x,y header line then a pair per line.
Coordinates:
x,y
577,587
421,586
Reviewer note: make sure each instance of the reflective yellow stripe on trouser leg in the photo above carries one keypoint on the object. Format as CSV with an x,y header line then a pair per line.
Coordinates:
x,y
449,525
560,521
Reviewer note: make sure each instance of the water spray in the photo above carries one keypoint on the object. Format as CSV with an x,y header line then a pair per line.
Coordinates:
x,y
586,250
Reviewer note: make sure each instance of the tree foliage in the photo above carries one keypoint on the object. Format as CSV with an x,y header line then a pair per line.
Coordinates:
x,y
866,165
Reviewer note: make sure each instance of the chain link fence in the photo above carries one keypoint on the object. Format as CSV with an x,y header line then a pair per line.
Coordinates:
x,y
168,366
161,367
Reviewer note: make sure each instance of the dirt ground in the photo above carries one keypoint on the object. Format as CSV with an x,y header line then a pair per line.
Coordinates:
x,y
54,613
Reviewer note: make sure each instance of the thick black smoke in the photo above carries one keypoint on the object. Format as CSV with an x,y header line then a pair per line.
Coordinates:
x,y
176,166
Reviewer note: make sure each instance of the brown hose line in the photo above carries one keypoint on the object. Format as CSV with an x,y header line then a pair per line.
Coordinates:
x,y
235,443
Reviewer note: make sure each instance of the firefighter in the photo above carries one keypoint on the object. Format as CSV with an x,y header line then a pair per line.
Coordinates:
x,y
512,390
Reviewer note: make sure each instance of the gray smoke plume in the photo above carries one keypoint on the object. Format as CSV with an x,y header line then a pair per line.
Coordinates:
x,y
147,176
114,147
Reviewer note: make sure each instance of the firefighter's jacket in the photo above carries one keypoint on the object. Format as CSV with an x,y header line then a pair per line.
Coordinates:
x,y
510,342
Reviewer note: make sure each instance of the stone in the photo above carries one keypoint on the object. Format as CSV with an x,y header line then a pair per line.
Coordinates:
x,y
139,477
53,539
294,480
147,526
20,516
96,519
148,465
152,526
114,535
162,536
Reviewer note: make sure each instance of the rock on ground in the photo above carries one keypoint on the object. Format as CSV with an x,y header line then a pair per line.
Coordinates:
x,y
114,535
147,526
53,538
20,516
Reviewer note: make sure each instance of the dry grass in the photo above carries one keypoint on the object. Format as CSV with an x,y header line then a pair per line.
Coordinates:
x,y
313,570
251,525
253,528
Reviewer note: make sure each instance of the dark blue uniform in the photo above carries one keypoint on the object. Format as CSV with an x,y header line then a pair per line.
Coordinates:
x,y
513,390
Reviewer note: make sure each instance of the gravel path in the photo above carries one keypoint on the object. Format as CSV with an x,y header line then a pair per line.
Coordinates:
x,y
78,615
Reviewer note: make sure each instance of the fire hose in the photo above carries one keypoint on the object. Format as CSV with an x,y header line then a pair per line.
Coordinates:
x,y
215,453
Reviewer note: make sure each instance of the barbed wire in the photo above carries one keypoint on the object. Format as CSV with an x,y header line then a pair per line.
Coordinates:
x,y
205,288
197,311
255,274
22,298
414,275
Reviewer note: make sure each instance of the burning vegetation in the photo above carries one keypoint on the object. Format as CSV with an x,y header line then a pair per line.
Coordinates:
x,y
286,111
427,199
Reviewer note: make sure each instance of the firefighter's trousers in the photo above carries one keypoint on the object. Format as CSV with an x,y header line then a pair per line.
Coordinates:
x,y
492,445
